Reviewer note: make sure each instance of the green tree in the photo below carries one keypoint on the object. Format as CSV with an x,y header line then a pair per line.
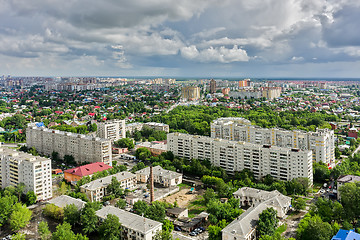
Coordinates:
x,y
313,228
350,199
214,232
20,189
20,217
156,211
121,203
54,212
71,214
209,195
267,222
69,159
18,236
299,204
63,231
142,153
125,143
43,230
6,205
110,229
140,207
114,188
88,218
30,198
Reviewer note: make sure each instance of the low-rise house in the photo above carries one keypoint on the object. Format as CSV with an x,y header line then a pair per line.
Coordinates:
x,y
133,226
64,200
177,212
96,190
190,224
345,179
164,177
244,227
75,174
156,148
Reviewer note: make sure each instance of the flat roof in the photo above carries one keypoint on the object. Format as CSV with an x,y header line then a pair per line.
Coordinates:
x,y
105,181
64,200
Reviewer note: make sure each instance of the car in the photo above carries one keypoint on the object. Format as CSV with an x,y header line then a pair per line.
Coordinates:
x,y
193,233
198,230
322,191
202,228
176,228
106,203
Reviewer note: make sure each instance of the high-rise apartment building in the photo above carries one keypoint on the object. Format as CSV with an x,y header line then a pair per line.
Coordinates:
x,y
34,171
212,86
190,93
244,83
83,148
112,130
320,142
280,162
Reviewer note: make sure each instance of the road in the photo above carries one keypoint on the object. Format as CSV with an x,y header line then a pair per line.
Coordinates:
x,y
356,150
11,144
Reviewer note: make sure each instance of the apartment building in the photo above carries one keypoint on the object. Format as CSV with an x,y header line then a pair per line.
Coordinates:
x,y
280,162
320,142
96,190
82,147
133,226
131,127
34,171
112,130
164,177
190,93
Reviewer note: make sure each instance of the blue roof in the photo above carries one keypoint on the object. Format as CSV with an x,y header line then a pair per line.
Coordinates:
x,y
40,124
346,235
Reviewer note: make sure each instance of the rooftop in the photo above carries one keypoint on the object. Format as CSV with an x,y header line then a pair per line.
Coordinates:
x,y
88,169
348,178
130,220
105,181
346,235
159,171
64,200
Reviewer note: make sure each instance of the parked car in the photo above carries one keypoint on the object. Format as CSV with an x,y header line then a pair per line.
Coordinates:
x,y
193,233
176,228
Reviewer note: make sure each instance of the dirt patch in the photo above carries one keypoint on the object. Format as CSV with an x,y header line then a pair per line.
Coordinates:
x,y
183,197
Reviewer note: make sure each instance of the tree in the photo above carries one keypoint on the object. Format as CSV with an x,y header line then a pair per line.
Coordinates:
x,y
55,156
20,189
140,207
71,214
43,230
299,204
350,199
110,229
121,203
209,195
156,211
6,205
114,188
214,232
125,143
63,231
53,211
142,153
88,218
20,217
30,198
18,236
267,222
69,159
313,228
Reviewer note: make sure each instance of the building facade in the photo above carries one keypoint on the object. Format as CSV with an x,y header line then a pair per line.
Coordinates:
x,y
34,171
190,93
112,130
133,226
137,126
320,142
83,148
164,177
212,86
96,190
280,162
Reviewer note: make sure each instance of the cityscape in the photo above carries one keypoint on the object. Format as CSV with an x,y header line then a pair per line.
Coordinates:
x,y
179,120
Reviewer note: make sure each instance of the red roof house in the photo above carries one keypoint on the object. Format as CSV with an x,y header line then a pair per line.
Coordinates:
x,y
75,174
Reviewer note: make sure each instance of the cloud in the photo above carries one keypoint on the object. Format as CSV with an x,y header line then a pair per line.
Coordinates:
x,y
219,54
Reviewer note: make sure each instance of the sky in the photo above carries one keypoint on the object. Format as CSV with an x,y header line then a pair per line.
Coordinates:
x,y
189,38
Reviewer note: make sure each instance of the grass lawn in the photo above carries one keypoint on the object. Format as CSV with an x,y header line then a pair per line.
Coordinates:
x,y
196,206
281,229
183,185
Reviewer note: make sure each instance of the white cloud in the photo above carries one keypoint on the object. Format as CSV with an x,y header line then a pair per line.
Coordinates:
x,y
218,54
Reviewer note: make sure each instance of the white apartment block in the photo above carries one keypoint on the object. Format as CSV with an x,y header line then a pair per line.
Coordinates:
x,y
131,127
133,226
34,171
164,177
280,162
112,130
82,147
320,142
96,190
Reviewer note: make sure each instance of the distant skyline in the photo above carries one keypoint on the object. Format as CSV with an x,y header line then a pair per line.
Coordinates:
x,y
188,38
